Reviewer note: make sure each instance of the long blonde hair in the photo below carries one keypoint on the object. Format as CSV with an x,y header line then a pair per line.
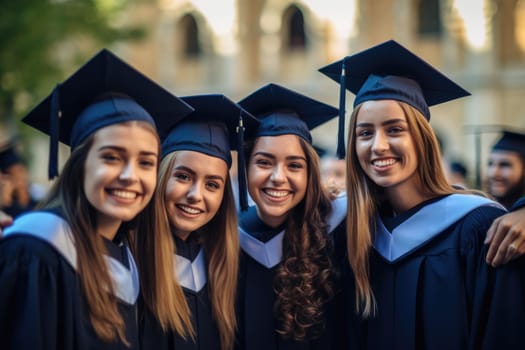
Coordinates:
x,y
221,247
70,199
365,197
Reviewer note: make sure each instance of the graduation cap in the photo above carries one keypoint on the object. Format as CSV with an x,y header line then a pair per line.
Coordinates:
x,y
215,127
390,71
283,111
104,91
511,141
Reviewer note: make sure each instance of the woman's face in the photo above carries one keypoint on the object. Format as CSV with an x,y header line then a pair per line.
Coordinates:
x,y
194,191
120,172
277,176
384,145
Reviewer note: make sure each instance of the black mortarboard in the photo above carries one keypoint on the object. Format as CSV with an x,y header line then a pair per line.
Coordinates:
x,y
390,71
215,127
104,91
511,141
283,111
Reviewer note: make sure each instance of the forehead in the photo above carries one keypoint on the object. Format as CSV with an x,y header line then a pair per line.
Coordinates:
x,y
129,133
379,110
505,156
200,163
282,145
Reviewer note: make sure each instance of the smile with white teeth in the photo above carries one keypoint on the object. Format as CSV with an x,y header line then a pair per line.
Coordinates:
x,y
383,162
188,210
124,194
278,194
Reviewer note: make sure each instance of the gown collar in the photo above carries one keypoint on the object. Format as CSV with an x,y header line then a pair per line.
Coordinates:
x,y
269,253
55,230
424,224
190,262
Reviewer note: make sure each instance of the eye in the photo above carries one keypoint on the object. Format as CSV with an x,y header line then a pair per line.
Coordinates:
x,y
395,130
213,185
181,176
363,133
147,163
295,166
110,157
263,162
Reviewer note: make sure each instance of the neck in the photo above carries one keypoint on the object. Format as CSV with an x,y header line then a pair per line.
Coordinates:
x,y
108,229
406,199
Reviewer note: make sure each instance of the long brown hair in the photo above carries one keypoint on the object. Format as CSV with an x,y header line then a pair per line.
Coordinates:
x,y
306,259
81,216
364,198
221,246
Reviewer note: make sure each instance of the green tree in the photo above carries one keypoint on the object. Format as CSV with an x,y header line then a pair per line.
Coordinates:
x,y
43,40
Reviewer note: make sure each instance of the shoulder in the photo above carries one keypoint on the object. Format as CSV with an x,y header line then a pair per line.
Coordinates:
x,y
24,249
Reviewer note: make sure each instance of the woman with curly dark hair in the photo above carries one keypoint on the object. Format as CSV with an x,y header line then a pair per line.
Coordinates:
x,y
287,277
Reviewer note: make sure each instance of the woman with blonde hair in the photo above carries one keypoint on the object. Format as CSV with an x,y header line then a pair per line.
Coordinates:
x,y
417,276
197,242
68,279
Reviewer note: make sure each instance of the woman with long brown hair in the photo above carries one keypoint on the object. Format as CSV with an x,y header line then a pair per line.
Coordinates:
x,y
197,245
287,279
417,276
68,279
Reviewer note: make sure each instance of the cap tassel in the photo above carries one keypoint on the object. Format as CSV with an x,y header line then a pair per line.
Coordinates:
x,y
54,126
342,105
241,167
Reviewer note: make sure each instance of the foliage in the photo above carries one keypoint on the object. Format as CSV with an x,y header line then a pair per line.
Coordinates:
x,y
41,41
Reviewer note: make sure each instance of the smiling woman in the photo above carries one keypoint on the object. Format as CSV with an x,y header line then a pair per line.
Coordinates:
x,y
71,260
415,272
286,279
198,243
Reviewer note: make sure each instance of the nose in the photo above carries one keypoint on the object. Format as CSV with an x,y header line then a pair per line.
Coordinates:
x,y
194,194
380,142
128,173
278,174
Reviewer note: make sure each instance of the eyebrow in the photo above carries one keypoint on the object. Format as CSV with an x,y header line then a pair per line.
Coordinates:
x,y
123,150
192,172
269,155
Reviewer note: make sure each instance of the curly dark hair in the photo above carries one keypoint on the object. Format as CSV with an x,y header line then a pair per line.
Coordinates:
x,y
304,280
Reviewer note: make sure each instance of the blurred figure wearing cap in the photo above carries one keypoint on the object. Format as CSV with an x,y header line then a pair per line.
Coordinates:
x,y
415,244
196,222
68,278
284,237
506,168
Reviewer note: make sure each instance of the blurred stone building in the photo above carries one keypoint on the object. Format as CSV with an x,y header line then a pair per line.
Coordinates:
x,y
235,46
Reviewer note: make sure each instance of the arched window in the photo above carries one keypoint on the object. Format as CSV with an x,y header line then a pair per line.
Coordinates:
x,y
293,26
429,19
190,41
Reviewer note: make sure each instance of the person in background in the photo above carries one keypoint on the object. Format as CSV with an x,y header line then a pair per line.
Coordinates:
x,y
69,280
418,277
333,174
456,173
197,239
506,168
15,194
287,279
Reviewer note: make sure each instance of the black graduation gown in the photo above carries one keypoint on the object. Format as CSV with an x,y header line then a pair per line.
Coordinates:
x,y
257,324
441,294
41,300
198,299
